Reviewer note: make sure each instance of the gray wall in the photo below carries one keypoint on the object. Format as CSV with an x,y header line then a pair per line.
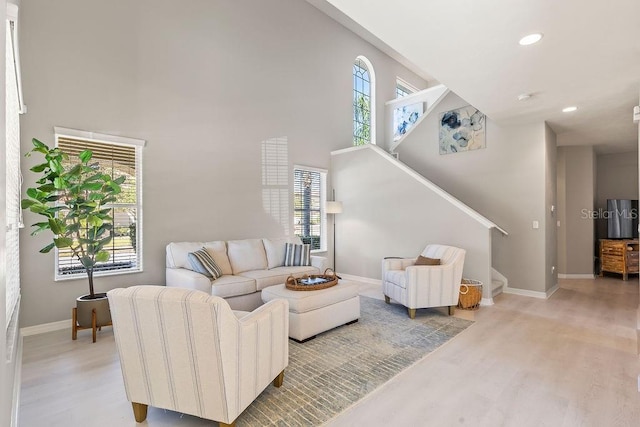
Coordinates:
x,y
576,238
505,182
386,212
616,178
551,204
204,82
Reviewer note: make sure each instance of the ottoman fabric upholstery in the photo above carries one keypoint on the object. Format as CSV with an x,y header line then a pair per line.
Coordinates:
x,y
313,312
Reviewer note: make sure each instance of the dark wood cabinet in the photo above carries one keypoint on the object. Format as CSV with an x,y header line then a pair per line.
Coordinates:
x,y
619,256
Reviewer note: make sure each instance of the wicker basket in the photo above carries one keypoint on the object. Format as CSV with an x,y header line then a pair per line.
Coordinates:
x,y
328,279
470,294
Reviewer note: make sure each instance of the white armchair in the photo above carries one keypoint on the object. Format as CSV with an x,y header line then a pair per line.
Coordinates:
x,y
422,286
187,351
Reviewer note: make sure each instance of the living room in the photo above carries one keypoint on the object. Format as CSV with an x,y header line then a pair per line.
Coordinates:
x,y
207,85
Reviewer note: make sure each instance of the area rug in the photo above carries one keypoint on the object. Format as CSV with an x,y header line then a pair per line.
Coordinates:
x,y
339,367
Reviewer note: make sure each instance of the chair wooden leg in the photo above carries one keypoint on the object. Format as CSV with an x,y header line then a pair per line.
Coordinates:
x,y
221,424
74,323
94,323
139,411
387,299
452,309
412,313
279,379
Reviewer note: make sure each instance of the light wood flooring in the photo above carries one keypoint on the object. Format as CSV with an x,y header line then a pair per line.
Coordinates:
x,y
567,361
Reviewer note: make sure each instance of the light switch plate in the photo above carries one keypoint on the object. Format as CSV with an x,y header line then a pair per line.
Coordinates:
x,y
536,225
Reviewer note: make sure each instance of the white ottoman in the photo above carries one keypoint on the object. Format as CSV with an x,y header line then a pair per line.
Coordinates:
x,y
312,312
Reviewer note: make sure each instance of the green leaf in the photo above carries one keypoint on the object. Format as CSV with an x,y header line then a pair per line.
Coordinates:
x,y
120,180
91,186
56,166
102,256
58,183
33,193
39,168
87,262
76,170
85,156
27,203
94,221
63,242
47,188
47,248
36,143
55,226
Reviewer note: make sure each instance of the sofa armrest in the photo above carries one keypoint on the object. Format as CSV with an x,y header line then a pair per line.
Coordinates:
x,y
264,347
319,262
397,263
183,278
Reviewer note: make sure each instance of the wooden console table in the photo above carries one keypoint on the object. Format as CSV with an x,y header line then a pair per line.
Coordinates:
x,y
619,256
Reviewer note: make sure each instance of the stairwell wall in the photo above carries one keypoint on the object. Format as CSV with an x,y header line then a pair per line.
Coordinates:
x,y
506,182
387,212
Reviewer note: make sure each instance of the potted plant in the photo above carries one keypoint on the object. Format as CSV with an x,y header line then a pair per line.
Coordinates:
x,y
73,197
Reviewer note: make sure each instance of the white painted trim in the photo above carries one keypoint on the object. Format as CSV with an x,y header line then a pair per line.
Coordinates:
x,y
575,276
486,302
524,292
361,279
17,382
45,327
98,137
430,185
552,290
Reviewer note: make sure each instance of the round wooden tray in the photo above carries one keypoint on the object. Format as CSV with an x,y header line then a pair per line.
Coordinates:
x,y
329,279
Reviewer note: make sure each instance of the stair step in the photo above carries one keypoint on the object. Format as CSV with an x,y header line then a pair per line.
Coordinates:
x,y
496,287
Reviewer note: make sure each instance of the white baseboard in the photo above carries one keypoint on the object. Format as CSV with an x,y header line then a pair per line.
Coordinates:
x,y
575,276
533,294
486,302
361,279
46,327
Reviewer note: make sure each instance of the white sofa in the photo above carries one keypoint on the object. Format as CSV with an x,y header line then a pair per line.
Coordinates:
x,y
248,266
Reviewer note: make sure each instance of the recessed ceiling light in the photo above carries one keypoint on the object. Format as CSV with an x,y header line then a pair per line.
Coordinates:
x,y
530,39
569,109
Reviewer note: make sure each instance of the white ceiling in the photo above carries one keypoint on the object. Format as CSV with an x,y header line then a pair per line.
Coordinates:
x,y
589,57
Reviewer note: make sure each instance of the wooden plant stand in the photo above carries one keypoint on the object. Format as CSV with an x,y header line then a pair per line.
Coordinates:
x,y
75,327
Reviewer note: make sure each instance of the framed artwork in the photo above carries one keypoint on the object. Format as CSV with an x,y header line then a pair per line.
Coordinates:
x,y
405,117
462,129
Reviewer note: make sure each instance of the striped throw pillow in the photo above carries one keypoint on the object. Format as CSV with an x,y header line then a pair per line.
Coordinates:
x,y
295,255
202,263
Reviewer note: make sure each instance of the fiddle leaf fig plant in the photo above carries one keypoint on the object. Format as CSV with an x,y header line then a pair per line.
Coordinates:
x,y
73,197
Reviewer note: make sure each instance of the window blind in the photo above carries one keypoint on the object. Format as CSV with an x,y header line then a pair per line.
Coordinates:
x,y
116,160
13,179
307,206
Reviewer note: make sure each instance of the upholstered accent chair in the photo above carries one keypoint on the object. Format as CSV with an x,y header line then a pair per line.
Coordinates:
x,y
423,286
187,351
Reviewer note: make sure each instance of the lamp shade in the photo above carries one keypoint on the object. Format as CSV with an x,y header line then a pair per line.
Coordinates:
x,y
334,207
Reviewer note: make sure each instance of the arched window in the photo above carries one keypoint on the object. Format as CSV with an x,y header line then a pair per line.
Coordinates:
x,y
364,131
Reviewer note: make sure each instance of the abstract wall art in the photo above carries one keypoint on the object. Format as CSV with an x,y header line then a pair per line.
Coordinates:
x,y
462,129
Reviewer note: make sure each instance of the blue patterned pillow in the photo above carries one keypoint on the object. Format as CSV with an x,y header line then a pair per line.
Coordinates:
x,y
295,255
202,263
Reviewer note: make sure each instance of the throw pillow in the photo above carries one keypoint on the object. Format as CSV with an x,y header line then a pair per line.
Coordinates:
x,y
423,260
203,263
295,255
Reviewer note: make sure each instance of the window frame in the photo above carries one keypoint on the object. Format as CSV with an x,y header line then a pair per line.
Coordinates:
x,y
372,99
402,85
322,198
137,144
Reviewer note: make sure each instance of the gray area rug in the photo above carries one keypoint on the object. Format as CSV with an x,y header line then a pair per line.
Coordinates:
x,y
331,372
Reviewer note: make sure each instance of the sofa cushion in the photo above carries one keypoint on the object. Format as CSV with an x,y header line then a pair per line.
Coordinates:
x,y
231,286
277,276
246,255
201,262
177,253
297,255
275,249
218,251
396,277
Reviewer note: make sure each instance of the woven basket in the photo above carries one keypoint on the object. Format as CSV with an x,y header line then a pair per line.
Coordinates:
x,y
470,294
329,279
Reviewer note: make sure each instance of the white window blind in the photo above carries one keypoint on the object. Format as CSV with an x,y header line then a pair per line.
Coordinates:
x,y
308,215
125,248
13,178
